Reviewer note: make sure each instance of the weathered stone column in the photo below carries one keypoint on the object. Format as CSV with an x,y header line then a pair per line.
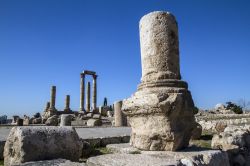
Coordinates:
x,y
82,92
67,104
66,120
53,97
159,47
52,110
160,112
94,93
88,98
120,117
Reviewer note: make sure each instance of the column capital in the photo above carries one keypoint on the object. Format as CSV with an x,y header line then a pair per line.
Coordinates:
x,y
95,76
82,75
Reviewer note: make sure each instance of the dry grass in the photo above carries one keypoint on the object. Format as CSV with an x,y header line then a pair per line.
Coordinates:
x,y
204,141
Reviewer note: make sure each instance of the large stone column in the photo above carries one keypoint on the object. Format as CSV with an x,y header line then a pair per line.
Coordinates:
x,y
88,98
67,104
52,110
94,93
159,47
120,117
53,97
82,91
160,112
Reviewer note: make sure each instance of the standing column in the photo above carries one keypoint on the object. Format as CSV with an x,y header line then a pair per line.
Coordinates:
x,y
82,93
52,110
120,118
67,103
53,97
94,93
159,47
88,98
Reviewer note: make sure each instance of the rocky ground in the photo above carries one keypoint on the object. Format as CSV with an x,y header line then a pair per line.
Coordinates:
x,y
203,142
95,139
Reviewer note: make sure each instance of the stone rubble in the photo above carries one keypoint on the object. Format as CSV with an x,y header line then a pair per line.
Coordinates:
x,y
235,140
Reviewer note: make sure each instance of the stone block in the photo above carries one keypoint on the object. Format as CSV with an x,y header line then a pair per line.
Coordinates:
x,y
26,144
52,121
66,120
89,115
96,116
79,122
57,162
94,122
122,148
124,154
37,121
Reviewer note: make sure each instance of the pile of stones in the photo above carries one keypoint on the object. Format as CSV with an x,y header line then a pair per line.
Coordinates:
x,y
235,140
216,122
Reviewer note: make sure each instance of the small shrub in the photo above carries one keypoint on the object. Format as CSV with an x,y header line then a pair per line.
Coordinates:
x,y
195,110
235,108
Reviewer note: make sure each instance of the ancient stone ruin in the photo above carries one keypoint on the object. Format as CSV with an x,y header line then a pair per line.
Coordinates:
x,y
82,92
160,116
160,112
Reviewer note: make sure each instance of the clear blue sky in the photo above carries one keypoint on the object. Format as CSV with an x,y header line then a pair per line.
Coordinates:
x,y
49,42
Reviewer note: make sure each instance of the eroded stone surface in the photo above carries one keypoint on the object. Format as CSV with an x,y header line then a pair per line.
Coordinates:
x,y
161,111
41,143
57,162
66,120
94,122
235,140
122,148
130,160
129,156
52,121
159,47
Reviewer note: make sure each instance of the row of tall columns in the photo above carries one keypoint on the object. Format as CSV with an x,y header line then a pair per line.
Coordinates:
x,y
82,93
51,104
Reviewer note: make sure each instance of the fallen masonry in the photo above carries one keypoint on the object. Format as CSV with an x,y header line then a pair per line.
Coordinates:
x,y
235,140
